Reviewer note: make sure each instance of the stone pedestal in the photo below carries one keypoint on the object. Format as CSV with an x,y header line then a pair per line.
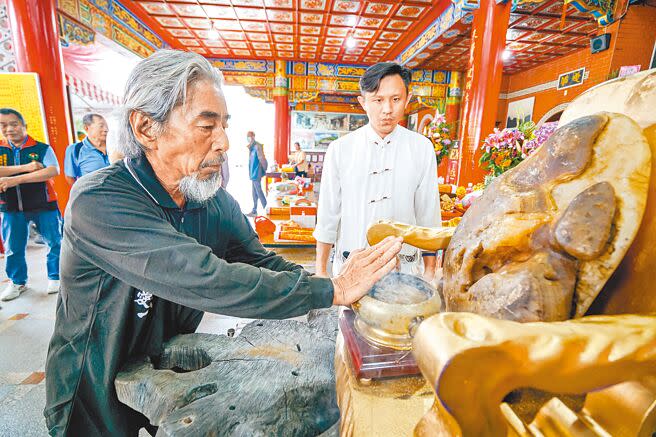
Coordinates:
x,y
275,378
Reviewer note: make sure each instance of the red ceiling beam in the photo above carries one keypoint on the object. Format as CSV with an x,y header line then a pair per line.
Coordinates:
x,y
418,29
153,24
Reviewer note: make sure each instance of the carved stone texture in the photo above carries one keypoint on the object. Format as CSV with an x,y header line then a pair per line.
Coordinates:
x,y
635,97
543,239
275,379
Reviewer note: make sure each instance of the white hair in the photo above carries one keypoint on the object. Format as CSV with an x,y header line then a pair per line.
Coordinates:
x,y
156,86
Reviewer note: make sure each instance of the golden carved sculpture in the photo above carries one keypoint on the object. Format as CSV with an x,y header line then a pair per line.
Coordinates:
x,y
478,361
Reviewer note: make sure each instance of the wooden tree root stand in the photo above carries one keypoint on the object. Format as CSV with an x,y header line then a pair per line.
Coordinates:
x,y
275,378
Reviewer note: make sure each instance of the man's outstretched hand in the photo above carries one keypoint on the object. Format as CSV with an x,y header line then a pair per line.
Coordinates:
x,y
363,269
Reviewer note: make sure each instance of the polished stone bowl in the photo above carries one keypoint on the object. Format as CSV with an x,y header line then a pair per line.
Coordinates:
x,y
395,304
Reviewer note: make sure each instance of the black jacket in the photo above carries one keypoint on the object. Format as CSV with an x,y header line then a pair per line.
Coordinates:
x,y
135,271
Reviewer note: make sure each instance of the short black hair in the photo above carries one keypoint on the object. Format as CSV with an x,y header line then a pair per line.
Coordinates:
x,y
370,81
88,119
9,111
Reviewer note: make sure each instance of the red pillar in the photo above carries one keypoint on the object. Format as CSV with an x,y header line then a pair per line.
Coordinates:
x,y
282,113
482,86
36,42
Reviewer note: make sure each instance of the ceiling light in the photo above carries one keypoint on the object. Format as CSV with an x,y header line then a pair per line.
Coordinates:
x,y
212,34
506,55
352,20
350,42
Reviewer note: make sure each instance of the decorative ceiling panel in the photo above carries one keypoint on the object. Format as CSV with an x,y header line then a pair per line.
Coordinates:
x,y
183,33
379,8
361,31
261,37
279,3
410,11
381,25
246,2
346,6
283,37
197,23
317,5
157,8
253,26
309,39
535,36
334,41
311,18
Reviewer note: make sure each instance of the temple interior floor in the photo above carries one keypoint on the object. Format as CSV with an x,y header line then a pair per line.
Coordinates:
x,y
26,325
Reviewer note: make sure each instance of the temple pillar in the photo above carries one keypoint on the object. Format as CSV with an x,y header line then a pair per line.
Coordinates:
x,y
482,85
282,113
452,115
453,97
36,43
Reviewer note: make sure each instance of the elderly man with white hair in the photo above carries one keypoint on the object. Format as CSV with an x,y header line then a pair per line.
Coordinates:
x,y
152,241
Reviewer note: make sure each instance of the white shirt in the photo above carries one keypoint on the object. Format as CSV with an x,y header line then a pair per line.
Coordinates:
x,y
366,179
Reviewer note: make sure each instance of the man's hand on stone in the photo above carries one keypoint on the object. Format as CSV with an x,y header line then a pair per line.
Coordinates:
x,y
32,166
363,269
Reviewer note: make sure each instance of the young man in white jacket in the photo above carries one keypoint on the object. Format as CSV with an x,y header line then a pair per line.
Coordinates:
x,y
380,171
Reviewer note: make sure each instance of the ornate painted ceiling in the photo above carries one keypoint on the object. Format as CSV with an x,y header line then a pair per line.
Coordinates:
x,y
361,32
534,37
364,32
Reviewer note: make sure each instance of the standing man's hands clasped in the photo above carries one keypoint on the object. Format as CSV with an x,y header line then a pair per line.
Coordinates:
x,y
8,182
363,269
32,166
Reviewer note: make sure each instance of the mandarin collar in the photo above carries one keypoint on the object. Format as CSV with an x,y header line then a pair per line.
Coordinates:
x,y
373,137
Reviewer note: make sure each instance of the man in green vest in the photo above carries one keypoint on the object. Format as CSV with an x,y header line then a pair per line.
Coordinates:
x,y
27,194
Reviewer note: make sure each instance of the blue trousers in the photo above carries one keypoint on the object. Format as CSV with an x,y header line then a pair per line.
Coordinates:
x,y
15,230
258,193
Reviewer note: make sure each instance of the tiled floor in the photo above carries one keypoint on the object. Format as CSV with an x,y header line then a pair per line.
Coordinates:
x,y
26,325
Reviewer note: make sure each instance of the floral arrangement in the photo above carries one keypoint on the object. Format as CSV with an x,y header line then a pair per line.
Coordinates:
x,y
505,149
541,135
439,132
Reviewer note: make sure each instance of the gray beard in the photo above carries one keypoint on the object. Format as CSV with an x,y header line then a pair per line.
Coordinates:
x,y
198,190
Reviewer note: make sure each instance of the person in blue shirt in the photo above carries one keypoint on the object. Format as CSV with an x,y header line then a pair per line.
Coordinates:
x,y
27,194
257,166
90,154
